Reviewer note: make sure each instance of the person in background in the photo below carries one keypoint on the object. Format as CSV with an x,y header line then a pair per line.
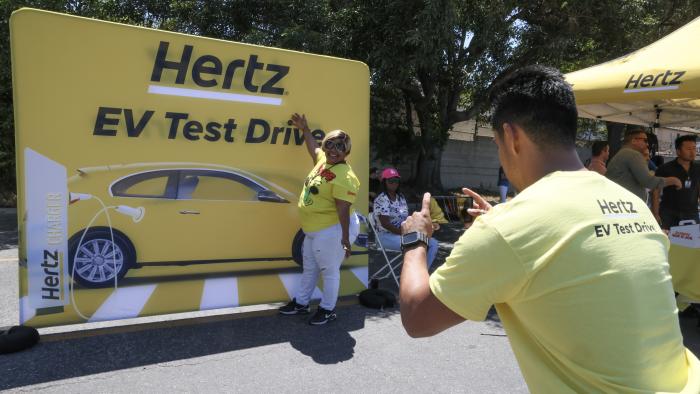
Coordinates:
x,y
679,204
436,213
629,169
503,184
652,171
600,151
391,209
329,224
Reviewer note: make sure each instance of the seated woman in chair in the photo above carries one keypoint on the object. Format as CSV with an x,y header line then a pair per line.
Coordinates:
x,y
390,209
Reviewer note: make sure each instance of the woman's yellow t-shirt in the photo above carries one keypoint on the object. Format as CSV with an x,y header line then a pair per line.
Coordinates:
x,y
324,184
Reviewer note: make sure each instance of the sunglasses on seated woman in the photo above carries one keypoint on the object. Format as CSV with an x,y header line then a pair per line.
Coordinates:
x,y
338,146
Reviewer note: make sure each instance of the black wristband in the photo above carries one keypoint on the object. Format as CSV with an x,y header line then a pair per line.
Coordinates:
x,y
404,249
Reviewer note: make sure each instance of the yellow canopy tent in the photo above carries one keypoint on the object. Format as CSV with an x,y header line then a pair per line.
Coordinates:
x,y
658,85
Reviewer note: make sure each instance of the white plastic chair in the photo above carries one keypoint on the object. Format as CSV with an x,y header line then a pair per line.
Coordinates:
x,y
391,264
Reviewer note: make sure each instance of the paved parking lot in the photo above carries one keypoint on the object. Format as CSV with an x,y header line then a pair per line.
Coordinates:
x,y
254,349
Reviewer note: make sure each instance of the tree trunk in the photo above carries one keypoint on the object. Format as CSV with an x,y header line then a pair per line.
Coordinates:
x,y
614,136
425,171
437,171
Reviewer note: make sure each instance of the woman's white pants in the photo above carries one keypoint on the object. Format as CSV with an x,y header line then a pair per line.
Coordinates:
x,y
323,254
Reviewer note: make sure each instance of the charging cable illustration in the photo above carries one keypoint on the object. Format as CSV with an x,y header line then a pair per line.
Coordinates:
x,y
136,215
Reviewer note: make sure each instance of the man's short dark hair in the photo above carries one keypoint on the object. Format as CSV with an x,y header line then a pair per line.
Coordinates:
x,y
538,99
683,138
598,147
632,131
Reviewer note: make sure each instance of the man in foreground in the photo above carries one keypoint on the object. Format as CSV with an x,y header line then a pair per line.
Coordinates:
x,y
575,264
679,204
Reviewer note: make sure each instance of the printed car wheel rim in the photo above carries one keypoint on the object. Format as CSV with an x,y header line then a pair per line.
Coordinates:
x,y
97,262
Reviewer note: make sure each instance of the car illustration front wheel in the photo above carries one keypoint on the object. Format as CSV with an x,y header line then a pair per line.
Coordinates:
x,y
97,259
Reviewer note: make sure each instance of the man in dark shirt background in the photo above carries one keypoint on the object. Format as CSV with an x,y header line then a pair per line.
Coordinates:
x,y
679,204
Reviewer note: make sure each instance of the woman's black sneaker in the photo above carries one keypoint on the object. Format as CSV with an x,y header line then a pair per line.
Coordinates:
x,y
294,309
322,316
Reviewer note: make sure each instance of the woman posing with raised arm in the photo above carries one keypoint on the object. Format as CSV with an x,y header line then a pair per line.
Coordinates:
x,y
326,218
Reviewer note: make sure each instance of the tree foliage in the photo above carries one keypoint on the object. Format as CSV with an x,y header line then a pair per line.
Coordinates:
x,y
432,62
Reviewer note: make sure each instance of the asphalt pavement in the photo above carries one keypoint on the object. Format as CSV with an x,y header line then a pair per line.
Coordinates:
x,y
253,349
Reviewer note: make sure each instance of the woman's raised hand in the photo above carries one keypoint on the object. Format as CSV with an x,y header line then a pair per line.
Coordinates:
x,y
299,121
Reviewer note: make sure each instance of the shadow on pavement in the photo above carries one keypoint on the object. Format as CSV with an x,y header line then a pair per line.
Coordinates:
x,y
8,239
8,228
63,359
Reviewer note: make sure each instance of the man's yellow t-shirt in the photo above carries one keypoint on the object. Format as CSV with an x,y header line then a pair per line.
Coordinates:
x,y
323,185
577,268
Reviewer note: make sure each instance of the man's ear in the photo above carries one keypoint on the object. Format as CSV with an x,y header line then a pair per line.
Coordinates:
x,y
512,136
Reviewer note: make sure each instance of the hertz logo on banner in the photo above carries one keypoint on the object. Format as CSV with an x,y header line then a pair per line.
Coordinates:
x,y
668,80
208,71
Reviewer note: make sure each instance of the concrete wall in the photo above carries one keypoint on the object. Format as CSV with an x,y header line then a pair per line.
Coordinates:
x,y
470,163
475,163
468,160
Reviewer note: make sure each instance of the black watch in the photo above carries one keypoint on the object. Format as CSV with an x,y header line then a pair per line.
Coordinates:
x,y
414,238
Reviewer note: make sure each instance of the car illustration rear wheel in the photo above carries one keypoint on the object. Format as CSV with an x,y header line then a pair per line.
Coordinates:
x,y
297,248
97,260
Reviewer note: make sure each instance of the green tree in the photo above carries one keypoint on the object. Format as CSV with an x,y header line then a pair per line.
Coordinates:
x,y
435,59
442,57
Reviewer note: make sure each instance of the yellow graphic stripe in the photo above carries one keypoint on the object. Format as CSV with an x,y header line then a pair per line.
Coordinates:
x,y
357,260
86,300
174,297
183,296
175,271
260,290
23,282
349,284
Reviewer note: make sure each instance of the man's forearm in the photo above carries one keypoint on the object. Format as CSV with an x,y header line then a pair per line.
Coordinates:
x,y
655,202
640,171
414,289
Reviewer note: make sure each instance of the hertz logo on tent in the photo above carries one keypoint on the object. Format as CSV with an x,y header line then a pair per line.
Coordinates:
x,y
208,71
669,80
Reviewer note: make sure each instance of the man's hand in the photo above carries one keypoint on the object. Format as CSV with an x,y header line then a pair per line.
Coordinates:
x,y
480,205
419,221
299,121
422,314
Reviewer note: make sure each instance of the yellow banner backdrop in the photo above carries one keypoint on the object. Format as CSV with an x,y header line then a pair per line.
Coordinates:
x,y
158,173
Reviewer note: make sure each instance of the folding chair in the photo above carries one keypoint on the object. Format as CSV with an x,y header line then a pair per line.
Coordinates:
x,y
391,264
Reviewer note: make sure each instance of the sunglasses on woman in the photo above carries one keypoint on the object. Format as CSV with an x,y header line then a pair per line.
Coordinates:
x,y
338,146
393,180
